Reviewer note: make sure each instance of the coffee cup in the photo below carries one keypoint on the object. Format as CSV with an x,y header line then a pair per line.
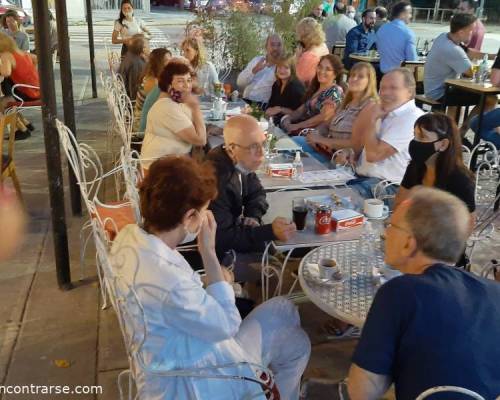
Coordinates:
x,y
328,269
374,208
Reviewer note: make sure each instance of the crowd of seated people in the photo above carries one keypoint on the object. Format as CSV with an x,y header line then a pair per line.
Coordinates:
x,y
386,138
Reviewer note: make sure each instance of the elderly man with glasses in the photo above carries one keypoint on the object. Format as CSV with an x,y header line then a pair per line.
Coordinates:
x,y
435,325
241,200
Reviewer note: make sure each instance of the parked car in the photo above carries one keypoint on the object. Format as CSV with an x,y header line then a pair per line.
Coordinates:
x,y
6,5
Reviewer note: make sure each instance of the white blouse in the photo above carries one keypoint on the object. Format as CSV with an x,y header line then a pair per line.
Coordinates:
x,y
187,326
129,28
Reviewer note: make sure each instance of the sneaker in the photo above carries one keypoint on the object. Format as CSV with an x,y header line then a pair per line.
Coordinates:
x,y
20,135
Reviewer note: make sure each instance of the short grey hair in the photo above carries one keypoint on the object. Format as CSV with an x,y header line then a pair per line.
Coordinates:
x,y
408,78
439,221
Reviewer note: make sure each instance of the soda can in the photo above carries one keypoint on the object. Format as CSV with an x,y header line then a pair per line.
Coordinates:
x,y
323,220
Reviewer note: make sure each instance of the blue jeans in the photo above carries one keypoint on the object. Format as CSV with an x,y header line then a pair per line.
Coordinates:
x,y
364,186
491,120
321,157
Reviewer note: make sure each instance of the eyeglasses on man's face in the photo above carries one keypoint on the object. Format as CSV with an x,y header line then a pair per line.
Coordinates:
x,y
392,225
255,148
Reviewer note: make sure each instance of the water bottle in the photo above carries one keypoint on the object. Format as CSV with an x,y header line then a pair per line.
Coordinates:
x,y
298,166
270,127
483,69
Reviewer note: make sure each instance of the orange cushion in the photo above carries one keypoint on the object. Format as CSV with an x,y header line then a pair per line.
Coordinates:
x,y
30,103
121,217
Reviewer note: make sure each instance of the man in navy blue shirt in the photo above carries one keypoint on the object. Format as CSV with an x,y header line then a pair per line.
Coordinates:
x,y
360,38
435,325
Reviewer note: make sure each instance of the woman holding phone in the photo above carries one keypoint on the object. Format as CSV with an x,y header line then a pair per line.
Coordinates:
x,y
175,122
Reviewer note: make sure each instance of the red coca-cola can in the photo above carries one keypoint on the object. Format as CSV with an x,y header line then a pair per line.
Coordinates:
x,y
323,220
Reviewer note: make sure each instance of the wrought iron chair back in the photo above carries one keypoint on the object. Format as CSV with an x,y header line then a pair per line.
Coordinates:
x,y
449,389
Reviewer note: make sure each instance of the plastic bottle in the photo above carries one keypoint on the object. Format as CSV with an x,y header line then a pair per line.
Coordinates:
x,y
483,69
298,166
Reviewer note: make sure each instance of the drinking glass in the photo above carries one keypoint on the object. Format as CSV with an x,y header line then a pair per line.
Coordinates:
x,y
299,209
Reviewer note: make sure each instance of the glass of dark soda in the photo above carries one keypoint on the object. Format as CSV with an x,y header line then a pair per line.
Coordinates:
x,y
299,208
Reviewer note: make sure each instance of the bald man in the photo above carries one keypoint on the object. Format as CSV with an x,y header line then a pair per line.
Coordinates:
x,y
436,324
241,201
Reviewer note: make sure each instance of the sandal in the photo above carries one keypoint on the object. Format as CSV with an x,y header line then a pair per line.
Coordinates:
x,y
333,331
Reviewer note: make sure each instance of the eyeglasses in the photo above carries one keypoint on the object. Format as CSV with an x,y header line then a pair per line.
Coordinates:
x,y
391,225
254,148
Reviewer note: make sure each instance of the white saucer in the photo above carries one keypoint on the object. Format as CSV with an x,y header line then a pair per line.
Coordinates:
x,y
314,274
384,216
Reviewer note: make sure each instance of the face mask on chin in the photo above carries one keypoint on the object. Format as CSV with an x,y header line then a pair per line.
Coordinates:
x,y
420,152
129,14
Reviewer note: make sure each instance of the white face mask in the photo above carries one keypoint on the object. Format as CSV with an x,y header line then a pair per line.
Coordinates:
x,y
129,14
351,15
190,236
242,169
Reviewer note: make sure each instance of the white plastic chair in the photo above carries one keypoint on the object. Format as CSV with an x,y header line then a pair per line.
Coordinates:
x,y
449,389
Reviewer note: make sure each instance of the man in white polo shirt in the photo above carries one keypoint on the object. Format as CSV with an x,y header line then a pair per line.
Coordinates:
x,y
258,76
388,129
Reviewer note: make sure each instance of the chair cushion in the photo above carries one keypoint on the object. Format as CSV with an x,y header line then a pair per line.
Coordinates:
x,y
30,103
121,217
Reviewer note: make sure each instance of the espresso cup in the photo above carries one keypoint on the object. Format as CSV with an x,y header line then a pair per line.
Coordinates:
x,y
374,208
328,268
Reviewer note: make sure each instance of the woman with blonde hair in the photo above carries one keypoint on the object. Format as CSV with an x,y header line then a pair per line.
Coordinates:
x,y
18,67
287,91
310,49
194,50
343,132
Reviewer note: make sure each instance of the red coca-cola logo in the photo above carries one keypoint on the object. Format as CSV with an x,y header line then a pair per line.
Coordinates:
x,y
324,220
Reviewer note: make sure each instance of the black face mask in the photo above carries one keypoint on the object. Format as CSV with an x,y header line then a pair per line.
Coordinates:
x,y
421,151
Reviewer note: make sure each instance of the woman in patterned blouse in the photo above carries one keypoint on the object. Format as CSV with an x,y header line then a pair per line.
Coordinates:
x,y
321,99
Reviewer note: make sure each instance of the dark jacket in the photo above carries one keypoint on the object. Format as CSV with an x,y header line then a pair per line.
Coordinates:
x,y
234,201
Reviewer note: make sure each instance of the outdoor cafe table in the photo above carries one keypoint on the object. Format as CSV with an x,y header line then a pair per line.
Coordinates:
x,y
280,204
483,90
351,298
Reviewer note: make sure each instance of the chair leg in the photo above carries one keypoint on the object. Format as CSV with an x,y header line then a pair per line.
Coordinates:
x,y
15,181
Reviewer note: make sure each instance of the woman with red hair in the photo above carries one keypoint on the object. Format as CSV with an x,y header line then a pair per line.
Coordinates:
x,y
189,326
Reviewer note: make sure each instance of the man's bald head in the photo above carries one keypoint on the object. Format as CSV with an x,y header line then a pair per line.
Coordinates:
x,y
238,128
244,140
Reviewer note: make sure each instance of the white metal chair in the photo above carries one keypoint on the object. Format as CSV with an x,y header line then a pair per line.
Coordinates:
x,y
449,389
483,229
21,104
90,176
134,325
381,192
